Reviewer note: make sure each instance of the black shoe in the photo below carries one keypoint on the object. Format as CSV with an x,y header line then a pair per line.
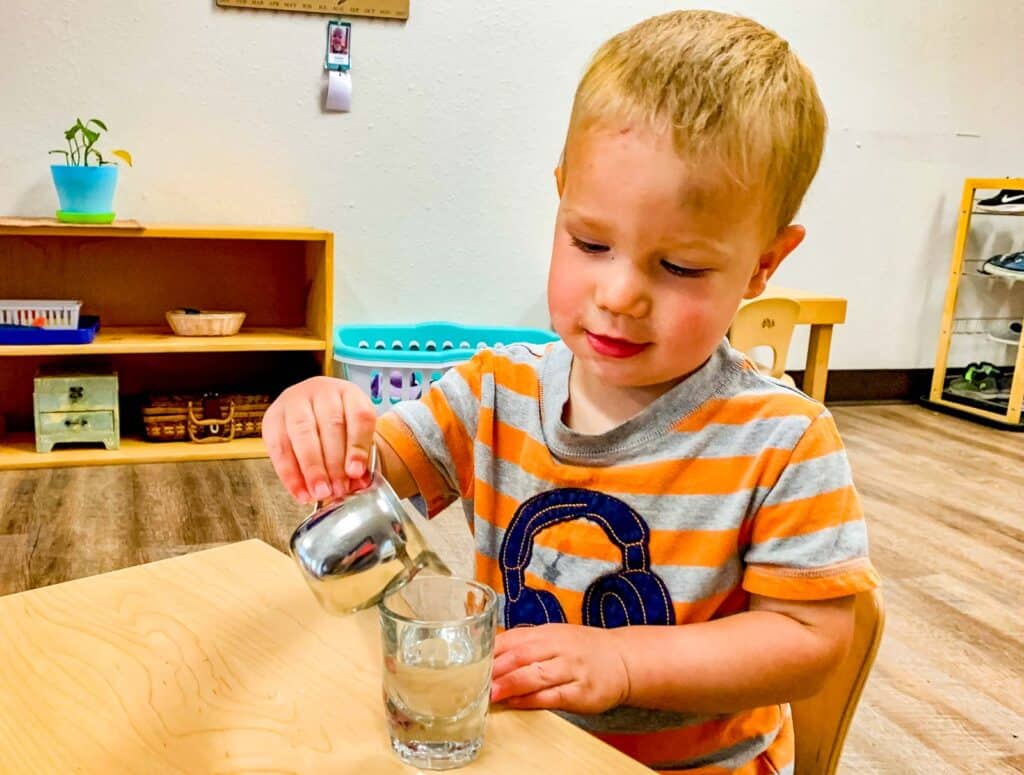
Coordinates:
x,y
1009,200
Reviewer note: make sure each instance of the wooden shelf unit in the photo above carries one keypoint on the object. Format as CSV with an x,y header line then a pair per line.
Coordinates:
x,y
1006,413
281,277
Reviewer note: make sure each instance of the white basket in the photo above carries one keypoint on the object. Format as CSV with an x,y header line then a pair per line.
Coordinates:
x,y
60,315
387,382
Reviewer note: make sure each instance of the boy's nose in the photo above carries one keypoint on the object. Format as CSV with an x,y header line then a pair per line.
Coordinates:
x,y
623,291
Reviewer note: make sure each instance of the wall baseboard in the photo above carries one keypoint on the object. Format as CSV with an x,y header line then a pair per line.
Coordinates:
x,y
866,385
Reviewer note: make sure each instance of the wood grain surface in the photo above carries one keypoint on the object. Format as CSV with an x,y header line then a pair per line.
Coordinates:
x,y
221,661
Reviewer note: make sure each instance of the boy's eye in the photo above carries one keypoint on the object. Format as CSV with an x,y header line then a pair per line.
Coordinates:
x,y
683,271
589,247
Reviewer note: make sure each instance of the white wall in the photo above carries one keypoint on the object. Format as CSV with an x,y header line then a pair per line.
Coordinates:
x,y
438,186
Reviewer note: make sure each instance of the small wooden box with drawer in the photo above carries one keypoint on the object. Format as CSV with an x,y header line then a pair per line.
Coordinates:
x,y
76,406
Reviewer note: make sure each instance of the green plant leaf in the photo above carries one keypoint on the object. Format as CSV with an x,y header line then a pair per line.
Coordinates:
x,y
121,153
98,123
91,136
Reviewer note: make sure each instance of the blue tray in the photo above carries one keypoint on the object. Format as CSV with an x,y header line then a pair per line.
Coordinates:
x,y
88,325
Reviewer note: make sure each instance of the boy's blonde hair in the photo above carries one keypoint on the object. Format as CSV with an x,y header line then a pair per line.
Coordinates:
x,y
731,91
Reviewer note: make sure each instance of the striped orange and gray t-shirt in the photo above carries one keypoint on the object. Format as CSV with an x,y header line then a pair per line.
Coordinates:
x,y
728,485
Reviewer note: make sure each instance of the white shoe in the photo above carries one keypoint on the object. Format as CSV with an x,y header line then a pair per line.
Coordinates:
x,y
1008,333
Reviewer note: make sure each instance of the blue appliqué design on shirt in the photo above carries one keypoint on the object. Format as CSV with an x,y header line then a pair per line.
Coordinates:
x,y
631,595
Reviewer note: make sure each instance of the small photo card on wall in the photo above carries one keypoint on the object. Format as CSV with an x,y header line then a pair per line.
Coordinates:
x,y
339,46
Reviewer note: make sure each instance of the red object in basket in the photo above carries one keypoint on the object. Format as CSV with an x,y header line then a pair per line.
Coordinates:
x,y
39,322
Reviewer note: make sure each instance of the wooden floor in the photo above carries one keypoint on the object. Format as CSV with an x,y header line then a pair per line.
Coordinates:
x,y
945,499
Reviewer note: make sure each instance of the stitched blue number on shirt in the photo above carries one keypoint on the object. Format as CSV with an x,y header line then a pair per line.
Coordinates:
x,y
631,595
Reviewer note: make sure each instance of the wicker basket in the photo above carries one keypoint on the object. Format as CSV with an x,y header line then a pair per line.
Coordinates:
x,y
204,418
204,322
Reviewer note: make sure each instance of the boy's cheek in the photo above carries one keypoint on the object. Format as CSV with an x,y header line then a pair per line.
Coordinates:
x,y
566,289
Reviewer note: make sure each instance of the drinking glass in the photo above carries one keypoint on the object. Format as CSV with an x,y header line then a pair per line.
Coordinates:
x,y
437,634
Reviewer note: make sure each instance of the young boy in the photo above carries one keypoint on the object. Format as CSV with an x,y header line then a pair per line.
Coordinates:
x,y
640,472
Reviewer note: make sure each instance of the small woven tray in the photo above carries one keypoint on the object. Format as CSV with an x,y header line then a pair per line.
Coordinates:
x,y
204,322
204,418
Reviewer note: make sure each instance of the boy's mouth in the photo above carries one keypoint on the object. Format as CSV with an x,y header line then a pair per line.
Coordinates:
x,y
611,347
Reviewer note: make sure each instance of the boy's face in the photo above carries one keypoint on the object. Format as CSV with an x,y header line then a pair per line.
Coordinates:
x,y
651,257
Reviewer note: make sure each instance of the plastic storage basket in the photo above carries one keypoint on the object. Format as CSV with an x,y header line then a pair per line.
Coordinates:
x,y
393,363
57,315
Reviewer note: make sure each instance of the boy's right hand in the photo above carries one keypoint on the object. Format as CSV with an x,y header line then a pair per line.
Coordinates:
x,y
319,434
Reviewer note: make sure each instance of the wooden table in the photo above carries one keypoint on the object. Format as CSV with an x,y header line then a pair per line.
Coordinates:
x,y
820,312
221,661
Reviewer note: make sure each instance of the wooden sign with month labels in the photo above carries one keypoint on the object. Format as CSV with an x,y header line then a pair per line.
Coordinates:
x,y
385,9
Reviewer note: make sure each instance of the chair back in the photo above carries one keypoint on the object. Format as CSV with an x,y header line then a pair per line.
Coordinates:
x,y
820,723
766,323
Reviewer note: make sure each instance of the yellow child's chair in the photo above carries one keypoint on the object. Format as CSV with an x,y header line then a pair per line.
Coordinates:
x,y
766,323
820,723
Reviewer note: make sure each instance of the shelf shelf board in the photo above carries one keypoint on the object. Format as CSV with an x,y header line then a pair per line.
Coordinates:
x,y
986,275
983,212
155,339
995,419
49,227
18,450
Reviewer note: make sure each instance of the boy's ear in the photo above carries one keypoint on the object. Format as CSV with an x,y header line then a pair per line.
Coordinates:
x,y
559,180
784,243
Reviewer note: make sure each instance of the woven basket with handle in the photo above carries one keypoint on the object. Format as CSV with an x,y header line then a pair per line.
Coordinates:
x,y
209,417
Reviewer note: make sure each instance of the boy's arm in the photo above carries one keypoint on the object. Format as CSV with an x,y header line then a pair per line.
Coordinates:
x,y
394,469
776,652
426,446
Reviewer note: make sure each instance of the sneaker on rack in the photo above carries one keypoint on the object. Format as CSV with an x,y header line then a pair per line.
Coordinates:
x,y
983,381
1010,265
1009,200
996,260
1007,333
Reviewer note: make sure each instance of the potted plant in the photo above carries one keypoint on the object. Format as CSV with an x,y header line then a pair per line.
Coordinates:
x,y
86,190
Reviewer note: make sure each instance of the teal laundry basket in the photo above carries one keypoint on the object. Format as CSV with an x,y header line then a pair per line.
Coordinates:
x,y
395,362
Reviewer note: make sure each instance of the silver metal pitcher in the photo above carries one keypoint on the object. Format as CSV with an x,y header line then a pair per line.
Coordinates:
x,y
353,550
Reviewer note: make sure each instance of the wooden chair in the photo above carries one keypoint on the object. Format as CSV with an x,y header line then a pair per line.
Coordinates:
x,y
820,723
766,323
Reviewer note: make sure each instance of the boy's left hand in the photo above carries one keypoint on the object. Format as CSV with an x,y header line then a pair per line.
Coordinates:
x,y
559,666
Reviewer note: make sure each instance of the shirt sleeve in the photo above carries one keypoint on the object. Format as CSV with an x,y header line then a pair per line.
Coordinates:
x,y
808,538
434,435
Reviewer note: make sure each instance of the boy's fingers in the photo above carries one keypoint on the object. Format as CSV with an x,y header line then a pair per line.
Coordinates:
x,y
505,663
526,644
301,425
360,421
550,698
293,481
275,438
530,679
330,419
525,656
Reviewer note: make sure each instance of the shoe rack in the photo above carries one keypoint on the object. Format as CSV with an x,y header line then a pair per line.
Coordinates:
x,y
977,304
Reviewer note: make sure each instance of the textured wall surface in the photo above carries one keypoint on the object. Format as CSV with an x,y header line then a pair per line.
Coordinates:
x,y
438,185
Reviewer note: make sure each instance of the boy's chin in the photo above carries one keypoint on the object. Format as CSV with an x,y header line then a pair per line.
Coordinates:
x,y
628,373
